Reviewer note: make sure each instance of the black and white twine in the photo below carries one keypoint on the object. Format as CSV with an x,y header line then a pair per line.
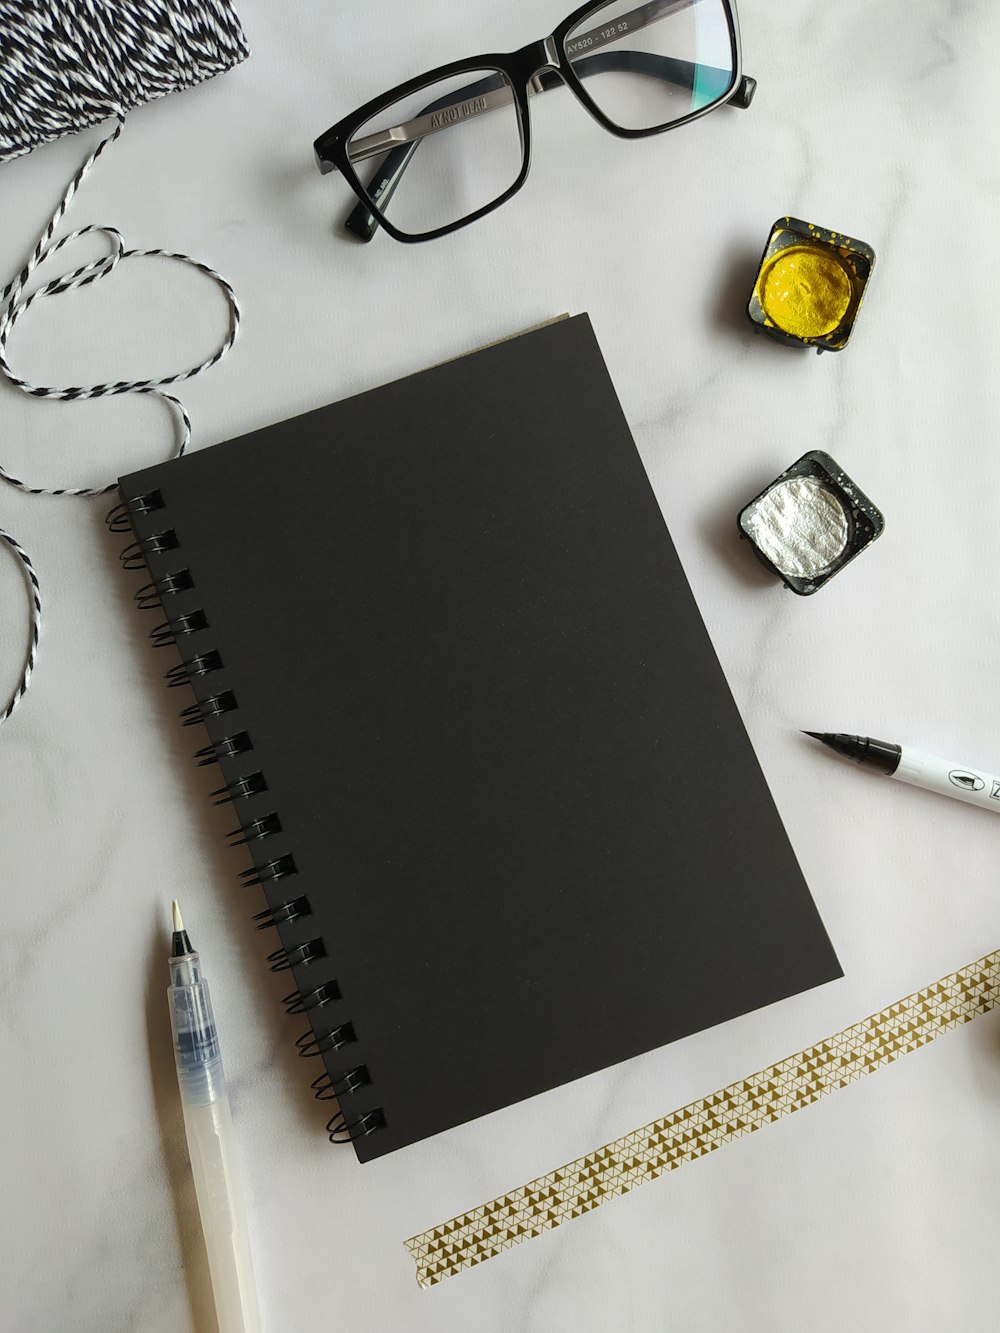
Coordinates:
x,y
64,68
14,304
36,623
67,66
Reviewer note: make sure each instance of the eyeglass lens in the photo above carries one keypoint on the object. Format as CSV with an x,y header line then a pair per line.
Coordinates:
x,y
452,159
647,66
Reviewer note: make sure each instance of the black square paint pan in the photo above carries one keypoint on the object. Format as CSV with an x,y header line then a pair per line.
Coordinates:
x,y
810,522
810,285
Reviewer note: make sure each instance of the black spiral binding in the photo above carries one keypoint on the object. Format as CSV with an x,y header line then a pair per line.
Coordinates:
x,y
327,1089
119,520
226,748
280,868
276,916
168,632
134,555
265,826
150,596
283,960
296,1002
214,706
202,664
343,1077
341,1130
309,1044
241,789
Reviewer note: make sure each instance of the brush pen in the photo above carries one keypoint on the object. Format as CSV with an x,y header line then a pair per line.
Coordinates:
x,y
916,768
208,1124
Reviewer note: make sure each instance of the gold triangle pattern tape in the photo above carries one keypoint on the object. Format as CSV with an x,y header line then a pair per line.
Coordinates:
x,y
704,1125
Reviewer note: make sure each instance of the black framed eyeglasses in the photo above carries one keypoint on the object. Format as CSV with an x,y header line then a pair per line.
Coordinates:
x,y
638,69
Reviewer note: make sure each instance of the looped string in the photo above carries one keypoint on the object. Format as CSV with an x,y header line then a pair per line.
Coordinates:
x,y
36,623
13,304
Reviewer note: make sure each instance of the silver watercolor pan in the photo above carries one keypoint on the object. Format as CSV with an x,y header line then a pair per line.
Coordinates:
x,y
810,522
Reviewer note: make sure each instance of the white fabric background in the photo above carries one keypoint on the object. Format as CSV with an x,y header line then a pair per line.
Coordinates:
x,y
877,1208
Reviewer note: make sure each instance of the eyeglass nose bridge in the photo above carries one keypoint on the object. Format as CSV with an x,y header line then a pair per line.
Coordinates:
x,y
536,59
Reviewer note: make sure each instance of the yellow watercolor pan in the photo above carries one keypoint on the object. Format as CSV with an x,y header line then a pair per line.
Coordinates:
x,y
810,285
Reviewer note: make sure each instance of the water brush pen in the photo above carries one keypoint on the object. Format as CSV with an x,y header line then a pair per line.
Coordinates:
x,y
208,1124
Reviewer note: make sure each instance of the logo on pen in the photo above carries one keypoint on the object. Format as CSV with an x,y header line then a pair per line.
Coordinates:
x,y
968,781
995,793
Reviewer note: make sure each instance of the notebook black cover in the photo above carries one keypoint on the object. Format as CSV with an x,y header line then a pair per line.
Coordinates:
x,y
520,805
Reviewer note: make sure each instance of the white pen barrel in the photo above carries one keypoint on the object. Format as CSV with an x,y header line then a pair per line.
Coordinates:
x,y
956,780
209,1128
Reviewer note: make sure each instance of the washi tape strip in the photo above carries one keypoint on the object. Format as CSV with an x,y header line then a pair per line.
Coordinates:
x,y
702,1126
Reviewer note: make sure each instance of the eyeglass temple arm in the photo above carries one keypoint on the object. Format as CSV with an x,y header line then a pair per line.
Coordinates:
x,y
494,93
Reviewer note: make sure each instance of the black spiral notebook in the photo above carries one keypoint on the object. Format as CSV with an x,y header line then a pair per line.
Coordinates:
x,y
504,812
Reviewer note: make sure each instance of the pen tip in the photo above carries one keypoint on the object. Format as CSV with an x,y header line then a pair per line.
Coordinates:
x,y
176,913
816,735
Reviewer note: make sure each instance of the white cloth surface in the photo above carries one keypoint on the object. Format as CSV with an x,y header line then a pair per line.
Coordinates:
x,y
877,1208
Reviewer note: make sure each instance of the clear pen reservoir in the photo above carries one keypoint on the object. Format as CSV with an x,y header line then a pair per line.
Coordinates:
x,y
196,1044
